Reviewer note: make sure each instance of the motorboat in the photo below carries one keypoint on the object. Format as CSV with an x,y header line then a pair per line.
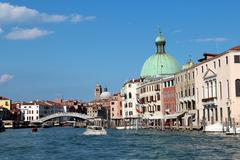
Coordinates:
x,y
126,127
95,131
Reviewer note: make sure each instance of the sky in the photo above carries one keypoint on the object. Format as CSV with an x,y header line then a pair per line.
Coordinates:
x,y
61,49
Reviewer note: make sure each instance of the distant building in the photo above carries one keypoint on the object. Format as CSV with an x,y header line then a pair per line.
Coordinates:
x,y
130,103
116,110
35,110
99,109
5,102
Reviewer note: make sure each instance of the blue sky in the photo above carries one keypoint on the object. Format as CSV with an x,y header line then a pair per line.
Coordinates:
x,y
61,48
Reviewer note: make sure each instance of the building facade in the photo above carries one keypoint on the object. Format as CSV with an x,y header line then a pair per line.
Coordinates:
x,y
116,110
5,102
36,110
130,102
217,80
185,95
156,91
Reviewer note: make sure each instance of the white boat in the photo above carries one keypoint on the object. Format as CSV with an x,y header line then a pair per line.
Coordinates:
x,y
127,127
217,127
95,131
233,131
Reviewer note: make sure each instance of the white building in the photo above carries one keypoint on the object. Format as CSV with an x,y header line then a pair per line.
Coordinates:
x,y
129,101
217,80
35,110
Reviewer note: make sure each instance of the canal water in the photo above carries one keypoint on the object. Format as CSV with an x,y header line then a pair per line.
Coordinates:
x,y
70,144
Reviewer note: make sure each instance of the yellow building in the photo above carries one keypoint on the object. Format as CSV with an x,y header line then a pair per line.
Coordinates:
x,y
5,102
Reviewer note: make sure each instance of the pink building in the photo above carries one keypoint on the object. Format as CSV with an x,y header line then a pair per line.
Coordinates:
x,y
116,110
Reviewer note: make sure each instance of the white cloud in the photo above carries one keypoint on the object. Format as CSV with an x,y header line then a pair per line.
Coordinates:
x,y
15,14
5,78
27,34
79,18
217,39
1,30
53,18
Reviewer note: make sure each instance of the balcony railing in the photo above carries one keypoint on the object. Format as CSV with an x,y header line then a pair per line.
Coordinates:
x,y
209,99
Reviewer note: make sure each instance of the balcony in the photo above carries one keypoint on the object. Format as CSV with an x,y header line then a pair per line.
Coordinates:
x,y
209,100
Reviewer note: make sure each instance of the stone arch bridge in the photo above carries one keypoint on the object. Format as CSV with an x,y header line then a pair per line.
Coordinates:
x,y
64,114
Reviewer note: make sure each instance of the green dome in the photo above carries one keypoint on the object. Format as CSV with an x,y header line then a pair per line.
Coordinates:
x,y
160,64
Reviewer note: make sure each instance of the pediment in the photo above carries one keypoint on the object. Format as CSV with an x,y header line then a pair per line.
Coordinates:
x,y
209,74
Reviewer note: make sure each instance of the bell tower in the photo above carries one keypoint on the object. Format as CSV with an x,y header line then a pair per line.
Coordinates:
x,y
98,91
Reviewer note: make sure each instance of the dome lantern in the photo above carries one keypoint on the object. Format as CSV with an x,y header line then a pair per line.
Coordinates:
x,y
160,43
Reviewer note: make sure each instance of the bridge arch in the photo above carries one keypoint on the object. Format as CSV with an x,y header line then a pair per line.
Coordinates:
x,y
64,114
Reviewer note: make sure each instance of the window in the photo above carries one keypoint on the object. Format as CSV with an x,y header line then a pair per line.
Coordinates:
x,y
228,89
221,114
130,113
208,113
130,105
237,86
158,96
226,59
220,88
129,95
6,103
112,103
129,85
112,109
216,114
202,69
214,64
237,59
219,63
158,108
193,74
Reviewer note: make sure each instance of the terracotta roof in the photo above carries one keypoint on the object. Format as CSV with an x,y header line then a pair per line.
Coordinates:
x,y
4,98
236,48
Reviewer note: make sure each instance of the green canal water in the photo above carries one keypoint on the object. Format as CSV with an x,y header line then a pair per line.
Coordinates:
x,y
70,144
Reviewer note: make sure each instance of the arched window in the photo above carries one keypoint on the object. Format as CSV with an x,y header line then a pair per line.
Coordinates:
x,y
129,95
237,85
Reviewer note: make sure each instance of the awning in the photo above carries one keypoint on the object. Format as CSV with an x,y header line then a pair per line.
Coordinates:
x,y
173,116
156,117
